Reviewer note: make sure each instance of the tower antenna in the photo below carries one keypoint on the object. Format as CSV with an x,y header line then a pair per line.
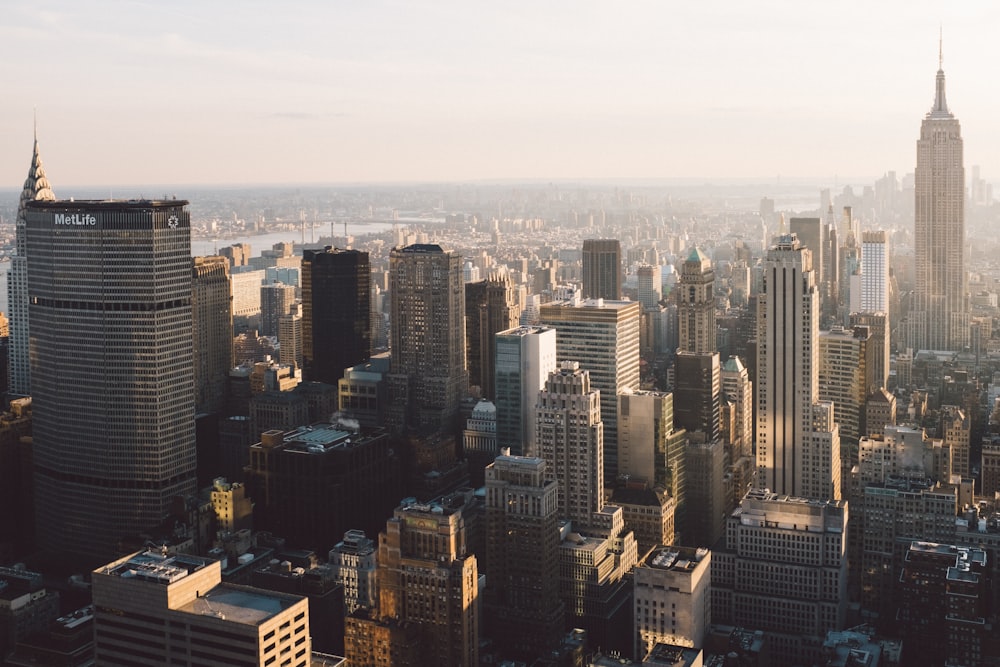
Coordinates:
x,y
940,47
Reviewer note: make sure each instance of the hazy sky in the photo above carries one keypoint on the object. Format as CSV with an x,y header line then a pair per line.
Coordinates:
x,y
182,92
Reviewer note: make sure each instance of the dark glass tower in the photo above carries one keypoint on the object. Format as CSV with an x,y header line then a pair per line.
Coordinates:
x,y
111,363
336,318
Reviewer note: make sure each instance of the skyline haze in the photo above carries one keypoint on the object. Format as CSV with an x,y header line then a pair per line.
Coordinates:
x,y
445,91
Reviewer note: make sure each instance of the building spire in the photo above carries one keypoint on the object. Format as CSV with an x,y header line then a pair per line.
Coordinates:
x,y
36,185
940,108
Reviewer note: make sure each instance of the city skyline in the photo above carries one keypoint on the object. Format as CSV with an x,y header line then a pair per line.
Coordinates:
x,y
422,92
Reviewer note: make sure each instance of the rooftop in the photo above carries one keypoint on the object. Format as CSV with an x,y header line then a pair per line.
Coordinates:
x,y
155,567
107,204
679,559
240,604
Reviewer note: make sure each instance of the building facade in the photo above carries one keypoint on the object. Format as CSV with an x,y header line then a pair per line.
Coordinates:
x,y
112,368
524,358
154,609
212,332
428,377
490,307
522,557
36,188
696,304
602,269
336,318
603,336
939,317
787,377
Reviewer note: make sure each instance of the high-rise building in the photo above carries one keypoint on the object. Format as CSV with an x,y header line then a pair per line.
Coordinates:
x,y
873,295
336,318
212,329
427,579
939,317
671,593
698,392
696,304
788,457
650,286
312,484
524,358
602,269
522,557
603,336
290,337
570,438
428,377
878,328
154,609
112,368
944,604
783,570
36,188
737,388
811,232
246,299
355,565
490,307
276,300
706,500
846,369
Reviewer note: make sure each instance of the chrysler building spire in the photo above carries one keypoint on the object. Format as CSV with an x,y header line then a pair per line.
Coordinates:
x,y
36,187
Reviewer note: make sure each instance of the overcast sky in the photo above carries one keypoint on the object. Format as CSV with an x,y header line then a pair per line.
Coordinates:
x,y
213,92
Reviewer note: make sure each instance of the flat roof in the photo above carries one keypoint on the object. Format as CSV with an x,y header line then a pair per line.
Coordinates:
x,y
240,604
106,204
155,567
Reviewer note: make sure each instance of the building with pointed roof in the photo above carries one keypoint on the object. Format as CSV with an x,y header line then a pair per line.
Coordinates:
x,y
939,318
696,304
36,188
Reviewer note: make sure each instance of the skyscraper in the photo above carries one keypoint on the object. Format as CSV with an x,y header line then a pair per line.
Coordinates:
x,y
428,377
522,555
696,304
602,269
524,358
113,387
36,188
276,299
336,318
603,336
427,579
212,328
873,296
490,306
570,440
787,365
939,318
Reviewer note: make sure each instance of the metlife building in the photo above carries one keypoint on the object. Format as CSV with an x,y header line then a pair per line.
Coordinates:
x,y
109,292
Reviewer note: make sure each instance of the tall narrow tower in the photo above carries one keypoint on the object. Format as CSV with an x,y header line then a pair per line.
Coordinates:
x,y
36,188
490,307
939,319
112,380
696,304
428,377
787,365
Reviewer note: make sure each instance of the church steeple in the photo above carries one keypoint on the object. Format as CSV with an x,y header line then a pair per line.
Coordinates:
x,y
940,108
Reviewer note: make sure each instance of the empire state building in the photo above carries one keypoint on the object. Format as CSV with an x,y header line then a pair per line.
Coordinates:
x,y
939,319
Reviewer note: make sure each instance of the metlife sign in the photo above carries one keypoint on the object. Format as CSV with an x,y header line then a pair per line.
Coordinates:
x,y
75,219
